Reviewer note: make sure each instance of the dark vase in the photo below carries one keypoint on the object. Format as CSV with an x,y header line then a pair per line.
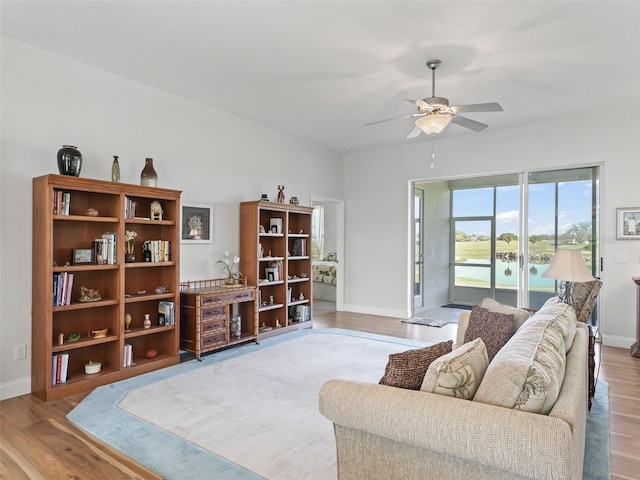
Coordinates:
x,y
69,161
129,257
148,177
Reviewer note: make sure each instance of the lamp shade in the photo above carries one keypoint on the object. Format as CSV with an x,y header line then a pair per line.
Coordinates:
x,y
433,123
568,265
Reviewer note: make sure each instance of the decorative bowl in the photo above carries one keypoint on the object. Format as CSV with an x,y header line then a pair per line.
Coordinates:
x,y
92,367
98,333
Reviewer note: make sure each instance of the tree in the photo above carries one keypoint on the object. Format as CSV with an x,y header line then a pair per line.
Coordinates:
x,y
507,237
580,233
533,239
461,236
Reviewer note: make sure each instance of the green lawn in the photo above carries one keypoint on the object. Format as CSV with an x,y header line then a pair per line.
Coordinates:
x,y
482,249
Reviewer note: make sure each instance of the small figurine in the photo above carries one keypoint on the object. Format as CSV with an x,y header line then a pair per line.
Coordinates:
x,y
162,289
89,295
301,296
278,323
156,210
280,193
264,197
92,212
262,230
294,201
271,300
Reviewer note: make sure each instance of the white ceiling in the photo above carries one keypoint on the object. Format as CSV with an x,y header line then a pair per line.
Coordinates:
x,y
320,70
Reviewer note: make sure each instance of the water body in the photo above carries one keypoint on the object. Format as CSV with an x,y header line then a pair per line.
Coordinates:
x,y
479,276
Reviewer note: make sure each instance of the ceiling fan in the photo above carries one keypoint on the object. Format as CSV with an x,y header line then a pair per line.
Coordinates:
x,y
435,113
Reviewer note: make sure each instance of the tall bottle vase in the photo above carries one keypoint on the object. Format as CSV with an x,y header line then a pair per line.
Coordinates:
x,y
148,176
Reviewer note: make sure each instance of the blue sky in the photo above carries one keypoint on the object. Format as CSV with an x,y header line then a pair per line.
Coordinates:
x,y
574,206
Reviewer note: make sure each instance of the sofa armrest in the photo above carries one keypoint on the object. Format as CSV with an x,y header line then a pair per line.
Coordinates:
x,y
523,443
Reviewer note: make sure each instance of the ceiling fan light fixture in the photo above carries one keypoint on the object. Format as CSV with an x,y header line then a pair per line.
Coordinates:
x,y
433,124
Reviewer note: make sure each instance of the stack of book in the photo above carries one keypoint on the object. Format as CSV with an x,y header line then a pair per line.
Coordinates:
x,y
166,314
61,202
62,285
60,365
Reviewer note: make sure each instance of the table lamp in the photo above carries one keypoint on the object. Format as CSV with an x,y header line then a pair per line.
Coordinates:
x,y
568,266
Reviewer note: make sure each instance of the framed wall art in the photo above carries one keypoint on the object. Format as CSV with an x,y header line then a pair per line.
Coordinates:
x,y
196,223
628,223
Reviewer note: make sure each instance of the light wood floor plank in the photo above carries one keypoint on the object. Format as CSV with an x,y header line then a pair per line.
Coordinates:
x,y
43,431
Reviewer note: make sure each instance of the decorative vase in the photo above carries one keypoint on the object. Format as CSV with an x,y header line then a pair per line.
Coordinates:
x,y
147,320
129,257
235,326
127,322
148,176
69,161
115,170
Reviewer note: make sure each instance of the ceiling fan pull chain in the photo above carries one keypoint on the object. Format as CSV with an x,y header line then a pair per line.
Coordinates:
x,y
433,155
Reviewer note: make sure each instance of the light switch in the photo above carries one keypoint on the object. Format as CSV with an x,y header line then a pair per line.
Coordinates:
x,y
620,258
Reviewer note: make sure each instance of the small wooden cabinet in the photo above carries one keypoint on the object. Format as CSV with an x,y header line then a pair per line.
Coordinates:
x,y
275,255
208,311
69,215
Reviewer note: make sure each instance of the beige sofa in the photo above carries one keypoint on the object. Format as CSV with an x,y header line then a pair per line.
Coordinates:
x,y
387,433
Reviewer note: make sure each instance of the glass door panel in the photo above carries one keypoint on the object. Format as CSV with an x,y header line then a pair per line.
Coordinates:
x,y
418,248
473,276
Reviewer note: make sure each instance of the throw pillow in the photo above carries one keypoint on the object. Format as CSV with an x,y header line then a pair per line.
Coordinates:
x,y
457,374
527,373
519,315
494,328
407,369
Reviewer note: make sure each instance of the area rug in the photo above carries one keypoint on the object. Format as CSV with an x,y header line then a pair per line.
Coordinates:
x,y
245,413
216,401
597,454
426,321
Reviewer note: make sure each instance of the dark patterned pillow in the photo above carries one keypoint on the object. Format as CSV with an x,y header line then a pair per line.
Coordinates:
x,y
407,369
494,328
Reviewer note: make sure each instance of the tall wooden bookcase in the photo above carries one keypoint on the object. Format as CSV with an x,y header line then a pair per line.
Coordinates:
x,y
275,255
123,287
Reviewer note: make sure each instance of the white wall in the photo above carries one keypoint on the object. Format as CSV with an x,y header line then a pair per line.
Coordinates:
x,y
214,157
437,222
377,200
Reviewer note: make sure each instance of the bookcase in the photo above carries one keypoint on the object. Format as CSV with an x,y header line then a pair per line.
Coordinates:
x,y
86,324
275,246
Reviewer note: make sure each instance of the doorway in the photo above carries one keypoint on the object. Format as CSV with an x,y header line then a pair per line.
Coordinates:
x,y
327,255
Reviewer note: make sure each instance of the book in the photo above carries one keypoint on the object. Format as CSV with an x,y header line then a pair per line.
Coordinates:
x,y
64,367
299,247
69,289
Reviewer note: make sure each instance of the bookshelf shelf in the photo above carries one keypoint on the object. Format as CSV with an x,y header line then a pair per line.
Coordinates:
x,y
57,235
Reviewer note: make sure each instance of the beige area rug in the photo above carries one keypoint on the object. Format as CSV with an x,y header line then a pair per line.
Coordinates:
x,y
260,410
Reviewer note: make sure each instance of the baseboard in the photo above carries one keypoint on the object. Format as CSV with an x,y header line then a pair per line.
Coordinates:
x,y
15,388
380,312
616,341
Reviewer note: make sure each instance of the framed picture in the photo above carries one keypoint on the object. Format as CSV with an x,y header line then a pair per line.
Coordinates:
x,y
275,225
82,256
196,222
628,223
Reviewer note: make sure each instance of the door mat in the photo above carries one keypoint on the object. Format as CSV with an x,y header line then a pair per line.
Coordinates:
x,y
458,305
426,321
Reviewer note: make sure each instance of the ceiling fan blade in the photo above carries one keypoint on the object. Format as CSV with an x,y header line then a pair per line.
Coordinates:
x,y
468,123
394,118
477,107
414,133
419,103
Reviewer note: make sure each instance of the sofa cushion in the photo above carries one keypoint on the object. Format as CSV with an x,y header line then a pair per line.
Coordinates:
x,y
528,371
519,315
494,328
458,374
564,314
407,369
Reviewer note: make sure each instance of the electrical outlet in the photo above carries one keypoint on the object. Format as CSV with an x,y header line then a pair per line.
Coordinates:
x,y
20,352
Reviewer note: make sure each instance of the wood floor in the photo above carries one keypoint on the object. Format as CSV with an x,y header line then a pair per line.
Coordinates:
x,y
37,442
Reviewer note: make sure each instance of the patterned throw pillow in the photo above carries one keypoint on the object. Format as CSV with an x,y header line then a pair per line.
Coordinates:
x,y
527,373
519,315
494,328
457,374
407,369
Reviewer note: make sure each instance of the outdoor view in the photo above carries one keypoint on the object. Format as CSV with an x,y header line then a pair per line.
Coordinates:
x,y
474,218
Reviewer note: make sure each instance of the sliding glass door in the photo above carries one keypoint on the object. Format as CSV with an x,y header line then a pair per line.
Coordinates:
x,y
562,212
501,234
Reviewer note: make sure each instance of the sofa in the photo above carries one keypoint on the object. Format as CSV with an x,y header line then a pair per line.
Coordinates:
x,y
385,432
